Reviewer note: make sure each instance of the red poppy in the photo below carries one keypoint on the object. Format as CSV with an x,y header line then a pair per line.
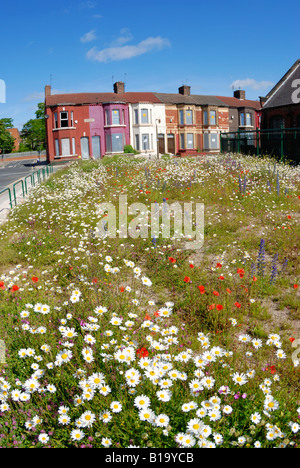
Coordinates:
x,y
157,314
211,307
219,306
95,280
147,317
191,265
292,339
289,217
15,287
2,285
237,304
219,265
186,279
221,277
295,286
201,289
172,260
215,293
142,352
254,278
228,290
35,279
122,289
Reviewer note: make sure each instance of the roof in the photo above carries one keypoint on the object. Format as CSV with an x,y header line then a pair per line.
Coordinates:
x,y
281,93
235,102
192,99
98,98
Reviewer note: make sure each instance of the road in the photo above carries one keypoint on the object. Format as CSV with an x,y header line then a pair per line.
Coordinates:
x,y
11,171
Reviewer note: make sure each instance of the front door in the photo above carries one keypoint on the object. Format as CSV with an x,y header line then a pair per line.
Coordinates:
x,y
171,143
161,143
96,147
85,152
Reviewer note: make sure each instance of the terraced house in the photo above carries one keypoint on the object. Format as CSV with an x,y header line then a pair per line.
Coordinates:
x,y
193,122
90,125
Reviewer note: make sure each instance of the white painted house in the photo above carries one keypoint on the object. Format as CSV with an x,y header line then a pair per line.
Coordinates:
x,y
148,127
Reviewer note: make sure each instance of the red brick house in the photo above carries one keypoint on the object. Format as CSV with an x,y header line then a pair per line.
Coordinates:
x,y
244,114
89,125
193,122
16,135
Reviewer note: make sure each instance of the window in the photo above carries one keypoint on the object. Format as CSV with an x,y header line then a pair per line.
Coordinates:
x,y
189,117
55,120
248,119
182,145
190,140
181,118
73,146
65,147
64,122
116,117
72,119
107,117
145,142
56,147
242,118
137,142
136,116
144,116
205,118
123,117
212,117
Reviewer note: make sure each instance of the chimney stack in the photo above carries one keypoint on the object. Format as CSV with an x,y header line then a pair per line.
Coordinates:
x,y
239,94
184,90
119,87
47,90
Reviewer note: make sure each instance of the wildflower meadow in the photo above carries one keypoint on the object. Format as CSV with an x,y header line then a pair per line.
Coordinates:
x,y
139,341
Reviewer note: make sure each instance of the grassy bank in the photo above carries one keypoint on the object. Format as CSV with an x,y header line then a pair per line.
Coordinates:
x,y
140,340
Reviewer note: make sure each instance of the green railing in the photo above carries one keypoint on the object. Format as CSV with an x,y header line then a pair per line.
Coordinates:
x,y
279,142
41,175
7,189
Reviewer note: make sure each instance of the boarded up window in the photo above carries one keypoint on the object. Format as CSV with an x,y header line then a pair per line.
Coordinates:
x,y
144,116
189,117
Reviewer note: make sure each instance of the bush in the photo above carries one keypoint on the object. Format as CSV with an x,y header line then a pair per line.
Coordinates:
x,y
130,149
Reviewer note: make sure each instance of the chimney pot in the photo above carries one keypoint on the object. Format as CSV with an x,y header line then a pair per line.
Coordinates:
x,y
47,90
184,90
119,87
239,94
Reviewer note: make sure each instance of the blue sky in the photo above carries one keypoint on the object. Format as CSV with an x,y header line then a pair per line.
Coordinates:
x,y
86,45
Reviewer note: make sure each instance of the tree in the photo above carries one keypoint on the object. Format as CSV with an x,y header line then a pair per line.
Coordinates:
x,y
34,131
7,141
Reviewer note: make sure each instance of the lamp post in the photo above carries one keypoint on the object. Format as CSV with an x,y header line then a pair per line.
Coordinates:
x,y
157,121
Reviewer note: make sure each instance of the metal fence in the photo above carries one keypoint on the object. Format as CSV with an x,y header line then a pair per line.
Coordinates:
x,y
32,179
283,143
23,154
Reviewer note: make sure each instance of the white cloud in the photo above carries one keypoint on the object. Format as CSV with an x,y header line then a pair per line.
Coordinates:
x,y
251,83
89,36
125,36
116,53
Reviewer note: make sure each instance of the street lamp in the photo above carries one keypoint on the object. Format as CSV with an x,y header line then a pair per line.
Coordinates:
x,y
157,121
